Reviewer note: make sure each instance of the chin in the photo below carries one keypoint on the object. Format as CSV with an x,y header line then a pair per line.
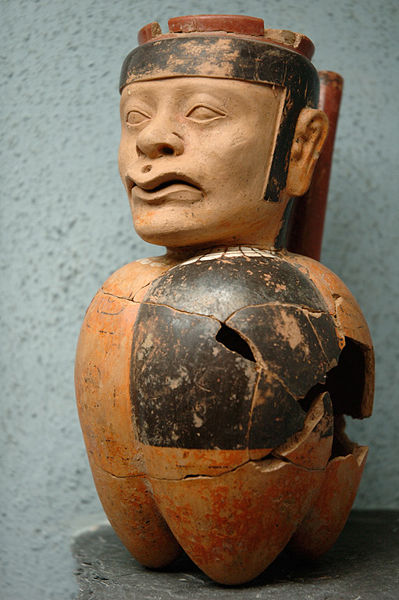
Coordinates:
x,y
174,236
171,239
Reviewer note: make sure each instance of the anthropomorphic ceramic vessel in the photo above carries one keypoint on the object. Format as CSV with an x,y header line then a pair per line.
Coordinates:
x,y
212,381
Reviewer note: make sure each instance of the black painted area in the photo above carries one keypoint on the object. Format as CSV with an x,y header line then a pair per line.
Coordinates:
x,y
188,390
276,415
324,328
193,377
363,565
288,344
222,286
242,58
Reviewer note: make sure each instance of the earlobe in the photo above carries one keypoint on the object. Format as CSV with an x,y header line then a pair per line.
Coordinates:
x,y
310,134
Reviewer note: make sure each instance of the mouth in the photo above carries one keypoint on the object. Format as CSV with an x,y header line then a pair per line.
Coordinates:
x,y
165,187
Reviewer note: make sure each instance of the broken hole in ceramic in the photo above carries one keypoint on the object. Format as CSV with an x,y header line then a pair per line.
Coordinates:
x,y
342,444
344,382
307,401
234,342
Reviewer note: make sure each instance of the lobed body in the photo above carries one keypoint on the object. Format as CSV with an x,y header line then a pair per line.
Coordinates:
x,y
234,500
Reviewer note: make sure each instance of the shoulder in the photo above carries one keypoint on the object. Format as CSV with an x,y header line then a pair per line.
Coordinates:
x,y
357,360
112,312
124,289
339,299
127,281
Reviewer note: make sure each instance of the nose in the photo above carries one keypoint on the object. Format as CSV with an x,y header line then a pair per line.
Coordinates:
x,y
156,140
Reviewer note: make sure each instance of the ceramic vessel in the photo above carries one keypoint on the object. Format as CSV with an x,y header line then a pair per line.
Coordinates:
x,y
213,381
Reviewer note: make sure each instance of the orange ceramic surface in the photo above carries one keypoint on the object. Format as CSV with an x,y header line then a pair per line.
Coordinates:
x,y
234,525
329,513
212,382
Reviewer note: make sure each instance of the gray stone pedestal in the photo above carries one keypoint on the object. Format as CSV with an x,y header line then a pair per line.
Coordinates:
x,y
363,565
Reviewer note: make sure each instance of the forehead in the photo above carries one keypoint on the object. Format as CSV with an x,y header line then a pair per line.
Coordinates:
x,y
226,91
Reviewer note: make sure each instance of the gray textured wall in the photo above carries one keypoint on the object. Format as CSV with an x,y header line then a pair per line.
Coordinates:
x,y
66,226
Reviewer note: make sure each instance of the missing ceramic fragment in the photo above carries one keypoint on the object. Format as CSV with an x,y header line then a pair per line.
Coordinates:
x,y
233,341
311,447
346,382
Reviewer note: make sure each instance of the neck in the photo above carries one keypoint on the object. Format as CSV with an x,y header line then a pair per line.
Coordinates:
x,y
187,252
269,237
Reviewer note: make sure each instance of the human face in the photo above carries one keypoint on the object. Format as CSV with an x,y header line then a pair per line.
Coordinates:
x,y
194,157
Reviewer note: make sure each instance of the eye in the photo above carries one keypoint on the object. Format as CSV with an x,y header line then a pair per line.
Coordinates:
x,y
203,114
135,117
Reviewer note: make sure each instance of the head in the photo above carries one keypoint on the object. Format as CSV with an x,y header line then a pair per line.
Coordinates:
x,y
214,145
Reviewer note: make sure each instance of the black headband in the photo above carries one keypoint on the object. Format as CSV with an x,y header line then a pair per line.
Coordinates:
x,y
219,56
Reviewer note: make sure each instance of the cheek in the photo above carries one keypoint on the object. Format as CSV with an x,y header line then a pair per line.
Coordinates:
x,y
219,159
120,162
242,162
127,148
122,154
254,157
123,165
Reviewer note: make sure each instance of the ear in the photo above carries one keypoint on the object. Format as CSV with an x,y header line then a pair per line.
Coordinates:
x,y
310,134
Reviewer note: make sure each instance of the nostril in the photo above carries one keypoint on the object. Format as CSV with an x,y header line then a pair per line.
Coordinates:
x,y
146,169
166,150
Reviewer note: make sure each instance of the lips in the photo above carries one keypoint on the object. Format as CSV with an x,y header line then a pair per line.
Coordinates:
x,y
166,188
